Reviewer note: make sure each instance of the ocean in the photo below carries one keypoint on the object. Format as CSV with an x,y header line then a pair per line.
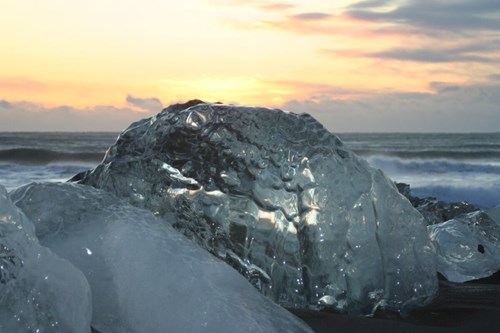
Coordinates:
x,y
27,157
451,167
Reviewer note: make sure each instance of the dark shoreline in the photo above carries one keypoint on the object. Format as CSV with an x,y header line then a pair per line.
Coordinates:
x,y
456,320
471,314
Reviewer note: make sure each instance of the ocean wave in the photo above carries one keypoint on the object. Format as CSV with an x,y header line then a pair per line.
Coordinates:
x,y
421,166
35,156
431,154
13,175
475,181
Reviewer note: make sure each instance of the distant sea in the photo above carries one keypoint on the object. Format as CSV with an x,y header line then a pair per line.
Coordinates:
x,y
27,157
451,167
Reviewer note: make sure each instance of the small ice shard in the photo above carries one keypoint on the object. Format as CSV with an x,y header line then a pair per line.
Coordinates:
x,y
144,275
39,292
468,247
282,200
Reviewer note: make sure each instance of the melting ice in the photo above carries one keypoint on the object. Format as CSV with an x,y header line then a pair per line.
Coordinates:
x,y
39,292
279,198
144,275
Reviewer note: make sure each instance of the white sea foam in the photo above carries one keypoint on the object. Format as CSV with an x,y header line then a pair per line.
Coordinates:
x,y
475,181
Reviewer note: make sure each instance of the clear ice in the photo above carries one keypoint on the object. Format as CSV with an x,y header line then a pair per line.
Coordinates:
x,y
39,292
280,199
468,246
144,275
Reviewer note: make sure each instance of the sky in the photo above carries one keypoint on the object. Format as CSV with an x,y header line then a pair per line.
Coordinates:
x,y
371,66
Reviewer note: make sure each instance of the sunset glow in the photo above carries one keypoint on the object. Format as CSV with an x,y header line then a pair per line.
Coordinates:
x,y
371,58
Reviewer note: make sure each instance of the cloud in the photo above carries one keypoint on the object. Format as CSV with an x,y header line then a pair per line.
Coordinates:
x,y
485,51
234,2
320,24
313,16
444,87
452,16
311,22
494,77
369,4
4,104
318,90
28,116
262,4
429,55
422,31
451,108
23,84
455,31
417,17
277,6
147,104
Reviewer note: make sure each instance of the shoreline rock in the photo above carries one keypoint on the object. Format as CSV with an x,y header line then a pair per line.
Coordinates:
x,y
433,210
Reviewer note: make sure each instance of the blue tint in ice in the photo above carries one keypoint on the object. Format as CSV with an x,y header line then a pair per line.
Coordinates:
x,y
468,246
144,275
39,292
279,198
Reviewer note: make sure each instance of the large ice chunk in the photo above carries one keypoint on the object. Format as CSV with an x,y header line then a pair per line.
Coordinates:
x,y
468,246
144,275
281,199
39,292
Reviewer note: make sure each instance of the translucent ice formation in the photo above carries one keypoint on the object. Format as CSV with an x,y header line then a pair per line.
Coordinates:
x,y
468,246
144,275
279,198
494,214
39,292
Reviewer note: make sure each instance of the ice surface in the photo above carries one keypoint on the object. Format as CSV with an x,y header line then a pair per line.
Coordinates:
x,y
144,275
494,214
281,199
468,246
39,292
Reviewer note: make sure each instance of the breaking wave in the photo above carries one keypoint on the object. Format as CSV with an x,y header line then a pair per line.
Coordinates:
x,y
468,154
475,181
441,165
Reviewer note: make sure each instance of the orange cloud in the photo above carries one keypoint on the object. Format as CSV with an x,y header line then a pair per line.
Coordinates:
x,y
23,84
326,24
29,116
485,52
277,6
262,4
344,53
318,91
52,92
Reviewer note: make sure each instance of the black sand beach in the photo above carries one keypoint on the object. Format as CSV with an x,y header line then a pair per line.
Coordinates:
x,y
479,313
456,320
